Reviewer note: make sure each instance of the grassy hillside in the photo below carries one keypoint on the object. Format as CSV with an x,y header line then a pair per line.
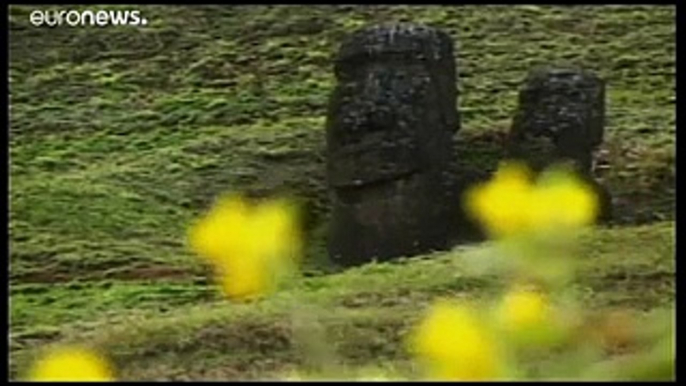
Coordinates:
x,y
120,136
163,330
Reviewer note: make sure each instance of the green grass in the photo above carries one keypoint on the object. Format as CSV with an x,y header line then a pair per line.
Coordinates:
x,y
163,330
120,137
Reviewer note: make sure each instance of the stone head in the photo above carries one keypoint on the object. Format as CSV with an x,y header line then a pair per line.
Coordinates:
x,y
395,93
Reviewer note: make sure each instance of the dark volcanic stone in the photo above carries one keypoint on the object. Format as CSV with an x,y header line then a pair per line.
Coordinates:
x,y
561,118
390,126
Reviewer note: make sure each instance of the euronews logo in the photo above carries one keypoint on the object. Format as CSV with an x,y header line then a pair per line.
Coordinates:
x,y
73,18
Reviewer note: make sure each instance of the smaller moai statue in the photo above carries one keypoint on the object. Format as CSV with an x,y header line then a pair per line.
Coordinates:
x,y
561,119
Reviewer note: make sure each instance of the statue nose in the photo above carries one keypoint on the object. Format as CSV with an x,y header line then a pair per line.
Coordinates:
x,y
378,114
368,116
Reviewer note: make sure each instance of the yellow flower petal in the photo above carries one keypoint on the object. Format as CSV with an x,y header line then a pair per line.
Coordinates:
x,y
251,247
523,308
510,204
528,318
503,204
221,229
565,202
454,344
71,364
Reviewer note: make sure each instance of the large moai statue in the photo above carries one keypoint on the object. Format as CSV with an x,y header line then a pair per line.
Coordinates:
x,y
390,127
561,119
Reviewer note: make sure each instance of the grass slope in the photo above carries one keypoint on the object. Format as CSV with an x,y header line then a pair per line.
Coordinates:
x,y
162,330
119,137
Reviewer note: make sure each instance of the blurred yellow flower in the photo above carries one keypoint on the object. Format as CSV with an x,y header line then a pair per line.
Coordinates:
x,y
455,345
523,307
513,204
527,317
562,200
71,364
251,247
502,205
